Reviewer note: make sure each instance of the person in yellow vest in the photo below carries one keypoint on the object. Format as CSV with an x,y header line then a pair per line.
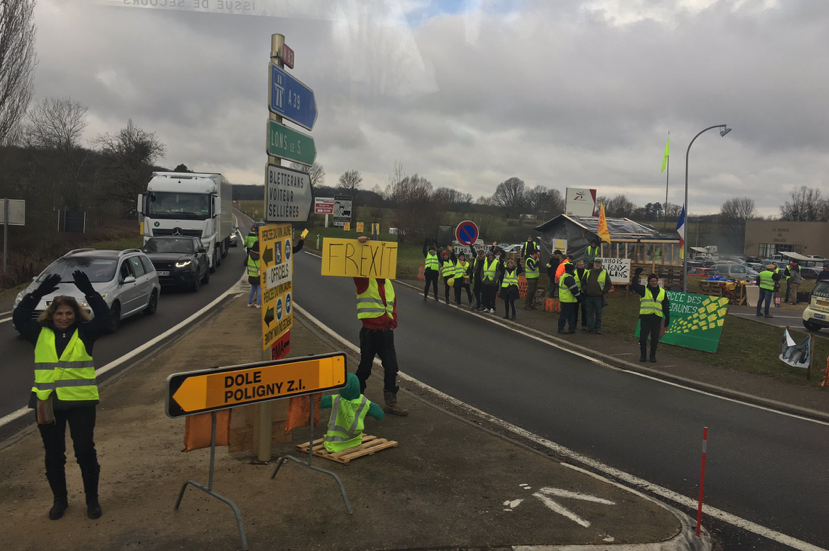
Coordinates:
x,y
509,287
377,310
462,274
490,275
529,247
348,413
569,295
431,268
654,313
252,237
766,280
531,272
65,388
593,250
580,273
475,273
253,276
595,288
447,269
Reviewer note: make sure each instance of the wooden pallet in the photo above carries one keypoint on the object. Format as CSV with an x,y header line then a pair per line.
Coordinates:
x,y
370,446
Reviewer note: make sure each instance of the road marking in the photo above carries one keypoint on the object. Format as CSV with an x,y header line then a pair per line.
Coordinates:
x,y
5,420
544,493
632,481
4,313
775,317
5,320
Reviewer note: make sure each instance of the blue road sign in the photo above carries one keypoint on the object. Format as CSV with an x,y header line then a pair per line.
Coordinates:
x,y
291,99
466,233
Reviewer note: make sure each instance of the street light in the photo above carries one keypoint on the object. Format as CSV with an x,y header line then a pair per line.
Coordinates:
x,y
725,130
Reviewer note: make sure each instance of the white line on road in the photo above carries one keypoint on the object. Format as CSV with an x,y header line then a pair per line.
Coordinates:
x,y
775,317
5,420
4,313
561,510
5,320
631,480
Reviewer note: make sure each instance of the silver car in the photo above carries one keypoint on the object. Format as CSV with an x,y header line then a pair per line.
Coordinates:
x,y
125,279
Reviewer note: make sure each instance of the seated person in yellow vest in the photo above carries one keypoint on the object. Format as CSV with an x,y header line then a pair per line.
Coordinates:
x,y
531,272
463,271
431,268
65,389
509,287
447,269
654,313
569,294
348,413
377,310
253,276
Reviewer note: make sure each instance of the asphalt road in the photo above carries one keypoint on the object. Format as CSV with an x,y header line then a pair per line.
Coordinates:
x,y
762,466
174,306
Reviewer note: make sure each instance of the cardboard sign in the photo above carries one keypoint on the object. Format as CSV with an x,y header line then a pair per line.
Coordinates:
x,y
696,321
618,269
350,258
360,227
276,271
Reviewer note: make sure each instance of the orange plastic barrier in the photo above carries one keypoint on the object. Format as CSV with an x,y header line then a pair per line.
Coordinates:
x,y
420,273
522,286
299,412
198,430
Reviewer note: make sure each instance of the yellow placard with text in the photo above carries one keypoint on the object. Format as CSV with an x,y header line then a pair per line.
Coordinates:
x,y
276,271
359,226
346,226
350,258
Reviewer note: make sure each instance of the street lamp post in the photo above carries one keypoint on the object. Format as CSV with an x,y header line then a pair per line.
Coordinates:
x,y
725,130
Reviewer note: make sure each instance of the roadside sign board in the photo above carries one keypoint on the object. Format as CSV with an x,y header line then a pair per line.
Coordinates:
x,y
276,271
342,209
350,258
288,196
290,144
287,56
466,233
17,212
347,226
618,269
360,226
696,321
290,98
208,390
323,205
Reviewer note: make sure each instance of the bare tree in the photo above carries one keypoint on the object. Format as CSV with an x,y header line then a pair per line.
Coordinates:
x,y
618,207
672,211
55,123
509,195
734,214
17,63
806,205
130,155
543,201
315,171
350,182
453,200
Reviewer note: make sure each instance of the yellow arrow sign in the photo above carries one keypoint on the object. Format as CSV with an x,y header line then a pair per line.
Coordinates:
x,y
222,388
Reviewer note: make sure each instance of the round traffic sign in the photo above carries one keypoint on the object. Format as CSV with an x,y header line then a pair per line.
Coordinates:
x,y
466,233
279,309
287,250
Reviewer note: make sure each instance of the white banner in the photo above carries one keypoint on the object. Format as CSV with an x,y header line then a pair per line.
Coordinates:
x,y
618,269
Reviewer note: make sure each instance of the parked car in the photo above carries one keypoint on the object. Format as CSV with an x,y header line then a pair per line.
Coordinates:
x,y
512,248
702,272
125,279
735,271
816,314
180,261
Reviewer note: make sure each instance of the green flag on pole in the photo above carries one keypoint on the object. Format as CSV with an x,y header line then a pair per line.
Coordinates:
x,y
667,153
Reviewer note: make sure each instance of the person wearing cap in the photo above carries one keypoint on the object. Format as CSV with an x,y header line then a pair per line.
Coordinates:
x,y
580,273
569,295
447,269
552,267
595,288
654,313
531,272
462,275
509,286
824,274
529,247
592,251
475,273
766,280
490,274
431,268
793,280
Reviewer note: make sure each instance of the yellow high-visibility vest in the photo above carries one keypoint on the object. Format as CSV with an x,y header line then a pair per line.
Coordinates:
x,y
72,375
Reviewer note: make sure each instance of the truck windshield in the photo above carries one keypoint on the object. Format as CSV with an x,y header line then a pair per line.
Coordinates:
x,y
167,204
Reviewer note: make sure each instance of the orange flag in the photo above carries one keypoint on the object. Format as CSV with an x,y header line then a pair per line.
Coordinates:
x,y
603,233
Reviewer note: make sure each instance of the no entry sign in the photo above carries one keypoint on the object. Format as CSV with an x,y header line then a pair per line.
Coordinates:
x,y
466,233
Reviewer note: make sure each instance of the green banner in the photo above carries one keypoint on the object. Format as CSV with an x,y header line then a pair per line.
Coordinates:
x,y
290,144
696,321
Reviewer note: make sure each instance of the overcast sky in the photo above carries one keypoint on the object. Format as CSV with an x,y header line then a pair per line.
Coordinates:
x,y
469,92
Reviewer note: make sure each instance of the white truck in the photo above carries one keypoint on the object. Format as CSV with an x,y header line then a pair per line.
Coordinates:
x,y
189,203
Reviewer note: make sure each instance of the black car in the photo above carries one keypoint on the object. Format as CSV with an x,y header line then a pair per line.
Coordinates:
x,y
180,261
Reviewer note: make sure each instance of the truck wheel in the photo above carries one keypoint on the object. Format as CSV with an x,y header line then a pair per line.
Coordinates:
x,y
811,326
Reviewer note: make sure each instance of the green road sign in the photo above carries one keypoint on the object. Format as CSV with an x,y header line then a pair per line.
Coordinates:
x,y
290,144
696,321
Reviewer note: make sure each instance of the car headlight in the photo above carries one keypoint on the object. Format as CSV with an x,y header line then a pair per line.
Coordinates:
x,y
19,298
183,264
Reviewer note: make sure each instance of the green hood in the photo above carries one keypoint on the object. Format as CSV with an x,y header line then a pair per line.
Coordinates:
x,y
351,390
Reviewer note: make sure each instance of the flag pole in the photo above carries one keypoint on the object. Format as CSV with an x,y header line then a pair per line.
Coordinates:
x,y
667,178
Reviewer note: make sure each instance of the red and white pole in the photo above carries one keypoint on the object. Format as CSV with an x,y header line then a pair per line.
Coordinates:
x,y
702,477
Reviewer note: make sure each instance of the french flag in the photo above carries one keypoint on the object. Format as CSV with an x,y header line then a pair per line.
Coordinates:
x,y
680,229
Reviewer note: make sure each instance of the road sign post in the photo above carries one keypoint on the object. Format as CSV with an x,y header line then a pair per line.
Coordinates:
x,y
290,98
288,195
276,267
466,233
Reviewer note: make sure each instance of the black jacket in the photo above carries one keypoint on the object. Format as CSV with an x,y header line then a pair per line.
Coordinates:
x,y
88,332
639,289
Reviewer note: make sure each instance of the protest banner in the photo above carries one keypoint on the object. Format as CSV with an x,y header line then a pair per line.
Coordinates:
x,y
618,269
350,258
696,321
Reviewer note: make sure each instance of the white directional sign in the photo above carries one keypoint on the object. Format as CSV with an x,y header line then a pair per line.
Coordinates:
x,y
288,197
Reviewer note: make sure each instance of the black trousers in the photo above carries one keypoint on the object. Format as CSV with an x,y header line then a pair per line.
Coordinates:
x,y
568,315
509,303
476,289
582,307
431,279
489,292
446,286
378,343
460,287
82,428
650,325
